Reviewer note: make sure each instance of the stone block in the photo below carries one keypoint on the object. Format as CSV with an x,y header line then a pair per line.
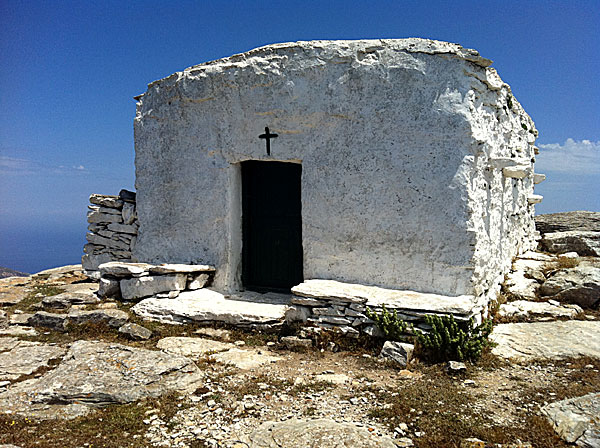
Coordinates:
x,y
137,288
109,287
106,200
122,269
180,269
114,318
197,281
128,213
135,331
96,217
52,321
106,242
123,228
397,352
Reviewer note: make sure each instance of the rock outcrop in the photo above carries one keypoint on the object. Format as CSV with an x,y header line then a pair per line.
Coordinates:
x,y
96,373
320,433
576,420
547,340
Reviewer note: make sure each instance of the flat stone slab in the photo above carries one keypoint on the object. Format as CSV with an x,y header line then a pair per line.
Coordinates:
x,y
60,271
524,308
375,297
319,433
547,340
18,330
18,358
245,359
206,305
192,347
576,420
122,269
181,269
97,373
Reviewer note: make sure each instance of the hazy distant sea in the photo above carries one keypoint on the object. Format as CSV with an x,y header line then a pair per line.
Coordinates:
x,y
36,246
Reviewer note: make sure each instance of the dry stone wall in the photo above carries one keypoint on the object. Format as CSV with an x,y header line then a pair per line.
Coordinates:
x,y
112,230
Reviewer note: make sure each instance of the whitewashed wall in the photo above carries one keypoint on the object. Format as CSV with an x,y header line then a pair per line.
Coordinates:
x,y
394,136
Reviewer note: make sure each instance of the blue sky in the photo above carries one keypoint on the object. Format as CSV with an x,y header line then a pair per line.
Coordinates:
x,y
69,70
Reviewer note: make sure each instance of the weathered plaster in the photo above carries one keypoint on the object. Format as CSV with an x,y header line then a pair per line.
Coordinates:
x,y
397,140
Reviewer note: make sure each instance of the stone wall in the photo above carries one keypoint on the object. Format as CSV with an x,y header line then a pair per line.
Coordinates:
x,y
500,183
112,230
402,145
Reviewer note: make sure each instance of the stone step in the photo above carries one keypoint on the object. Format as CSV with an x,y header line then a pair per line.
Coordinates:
x,y
411,302
206,306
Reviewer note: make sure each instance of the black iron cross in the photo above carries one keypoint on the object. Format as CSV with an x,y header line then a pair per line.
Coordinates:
x,y
268,136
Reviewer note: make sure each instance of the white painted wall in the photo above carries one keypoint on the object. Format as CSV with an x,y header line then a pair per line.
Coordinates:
x,y
394,137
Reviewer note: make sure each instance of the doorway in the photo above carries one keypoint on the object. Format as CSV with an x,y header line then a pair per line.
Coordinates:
x,y
271,226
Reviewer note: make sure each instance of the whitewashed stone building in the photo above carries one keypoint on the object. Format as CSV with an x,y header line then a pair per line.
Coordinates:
x,y
405,164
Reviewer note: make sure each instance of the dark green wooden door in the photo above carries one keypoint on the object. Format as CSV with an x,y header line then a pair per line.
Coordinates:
x,y
272,226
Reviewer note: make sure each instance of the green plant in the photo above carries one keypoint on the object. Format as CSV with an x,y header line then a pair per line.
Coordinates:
x,y
524,126
509,101
450,340
390,324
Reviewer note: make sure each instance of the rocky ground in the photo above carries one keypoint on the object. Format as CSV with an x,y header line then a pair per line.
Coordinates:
x,y
77,371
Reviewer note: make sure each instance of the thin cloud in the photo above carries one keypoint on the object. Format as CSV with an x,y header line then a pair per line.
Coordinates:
x,y
26,167
576,157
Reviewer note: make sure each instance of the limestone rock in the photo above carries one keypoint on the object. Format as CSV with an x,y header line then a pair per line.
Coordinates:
x,y
374,297
91,262
75,294
584,221
128,213
18,331
136,288
124,269
333,378
180,269
106,200
20,319
576,419
547,340
398,352
107,218
123,228
294,342
197,281
57,273
245,359
585,243
3,319
192,347
18,358
120,374
205,305
579,285
109,287
135,331
52,321
524,308
114,318
318,433
456,367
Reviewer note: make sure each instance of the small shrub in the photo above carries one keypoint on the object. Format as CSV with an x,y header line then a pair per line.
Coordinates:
x,y
394,328
449,340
